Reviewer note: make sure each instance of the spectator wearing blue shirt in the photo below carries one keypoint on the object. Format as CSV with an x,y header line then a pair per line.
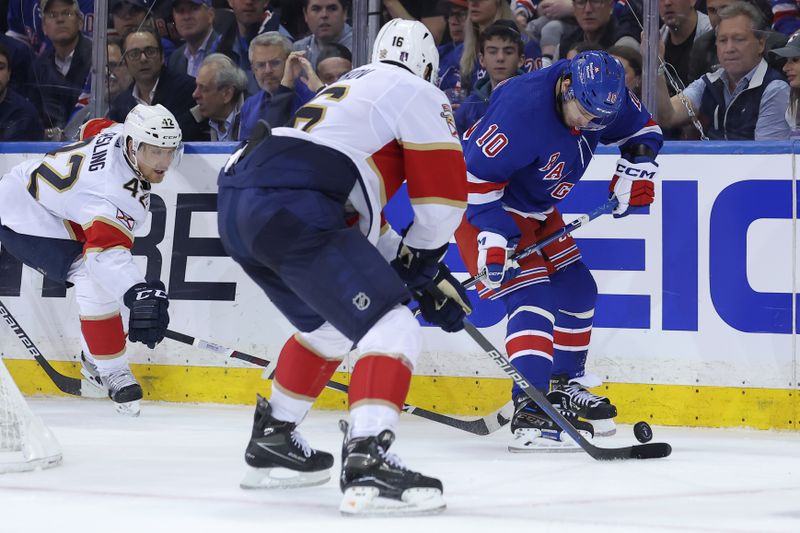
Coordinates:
x,y
250,18
277,70
194,21
19,120
501,55
450,53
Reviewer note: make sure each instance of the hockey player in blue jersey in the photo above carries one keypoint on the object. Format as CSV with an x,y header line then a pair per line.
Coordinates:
x,y
523,157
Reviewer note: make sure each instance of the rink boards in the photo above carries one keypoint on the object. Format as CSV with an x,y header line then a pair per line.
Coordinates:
x,y
696,323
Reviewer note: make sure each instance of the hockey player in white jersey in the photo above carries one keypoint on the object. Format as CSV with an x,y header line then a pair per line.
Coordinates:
x,y
72,214
300,211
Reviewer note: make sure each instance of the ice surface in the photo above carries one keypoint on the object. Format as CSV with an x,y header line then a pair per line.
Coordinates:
x,y
177,469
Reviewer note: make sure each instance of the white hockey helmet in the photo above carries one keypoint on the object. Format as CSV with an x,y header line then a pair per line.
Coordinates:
x,y
155,126
152,124
410,44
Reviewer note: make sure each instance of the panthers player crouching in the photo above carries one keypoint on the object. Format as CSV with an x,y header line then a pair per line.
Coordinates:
x,y
72,214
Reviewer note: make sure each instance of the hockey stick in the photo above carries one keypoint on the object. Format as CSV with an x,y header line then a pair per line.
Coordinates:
x,y
481,426
566,230
651,450
64,383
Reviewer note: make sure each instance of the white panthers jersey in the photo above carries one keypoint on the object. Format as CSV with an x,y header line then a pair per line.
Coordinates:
x,y
395,127
87,192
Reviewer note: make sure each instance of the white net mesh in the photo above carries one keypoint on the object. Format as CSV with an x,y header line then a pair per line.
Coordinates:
x,y
25,442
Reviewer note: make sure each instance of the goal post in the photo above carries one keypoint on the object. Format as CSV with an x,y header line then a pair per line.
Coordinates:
x,y
25,442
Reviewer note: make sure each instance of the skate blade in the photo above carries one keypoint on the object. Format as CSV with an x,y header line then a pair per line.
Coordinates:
x,y
530,440
131,409
366,501
603,428
282,478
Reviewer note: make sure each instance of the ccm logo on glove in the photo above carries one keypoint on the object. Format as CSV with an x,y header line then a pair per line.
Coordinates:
x,y
145,294
633,185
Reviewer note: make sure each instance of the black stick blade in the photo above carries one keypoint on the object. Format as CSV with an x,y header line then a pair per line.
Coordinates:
x,y
652,450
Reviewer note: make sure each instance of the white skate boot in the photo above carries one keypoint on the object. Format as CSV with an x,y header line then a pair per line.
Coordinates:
x,y
124,391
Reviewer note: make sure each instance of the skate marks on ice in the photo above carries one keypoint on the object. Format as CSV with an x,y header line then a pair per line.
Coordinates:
x,y
178,467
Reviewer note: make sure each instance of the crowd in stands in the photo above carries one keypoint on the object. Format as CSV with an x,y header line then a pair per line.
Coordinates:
x,y
731,68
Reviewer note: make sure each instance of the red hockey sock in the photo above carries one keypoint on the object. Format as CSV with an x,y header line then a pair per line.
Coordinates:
x,y
301,371
380,378
104,336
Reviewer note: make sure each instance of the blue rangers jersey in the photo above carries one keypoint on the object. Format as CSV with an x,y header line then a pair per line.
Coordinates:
x,y
521,158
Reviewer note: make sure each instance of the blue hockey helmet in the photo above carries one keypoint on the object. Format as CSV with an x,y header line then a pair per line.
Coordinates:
x,y
598,84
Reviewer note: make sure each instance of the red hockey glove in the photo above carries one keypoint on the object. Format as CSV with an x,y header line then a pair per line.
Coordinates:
x,y
633,185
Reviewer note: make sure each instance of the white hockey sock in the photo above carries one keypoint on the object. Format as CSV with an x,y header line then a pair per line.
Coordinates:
x,y
106,366
288,408
369,420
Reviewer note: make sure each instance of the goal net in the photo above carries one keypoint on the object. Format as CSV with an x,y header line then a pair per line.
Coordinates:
x,y
25,442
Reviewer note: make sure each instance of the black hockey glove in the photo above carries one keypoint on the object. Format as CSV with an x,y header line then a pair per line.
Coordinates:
x,y
445,302
149,317
417,268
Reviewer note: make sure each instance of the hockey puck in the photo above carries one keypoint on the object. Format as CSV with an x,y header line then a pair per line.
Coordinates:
x,y
642,432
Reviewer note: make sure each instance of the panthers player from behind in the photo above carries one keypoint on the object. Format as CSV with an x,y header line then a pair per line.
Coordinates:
x,y
72,214
300,211
523,157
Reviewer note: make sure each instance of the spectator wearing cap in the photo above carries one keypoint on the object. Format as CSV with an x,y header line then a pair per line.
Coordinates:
x,y
334,60
792,70
194,21
744,99
326,21
449,77
58,75
19,120
277,69
129,15
598,26
501,55
154,84
219,95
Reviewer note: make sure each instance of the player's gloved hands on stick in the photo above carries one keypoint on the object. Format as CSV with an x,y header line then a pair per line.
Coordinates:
x,y
149,318
445,302
633,185
417,268
494,259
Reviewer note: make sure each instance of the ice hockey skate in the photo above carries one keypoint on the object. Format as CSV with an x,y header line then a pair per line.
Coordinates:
x,y
376,483
278,457
575,396
534,431
124,391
